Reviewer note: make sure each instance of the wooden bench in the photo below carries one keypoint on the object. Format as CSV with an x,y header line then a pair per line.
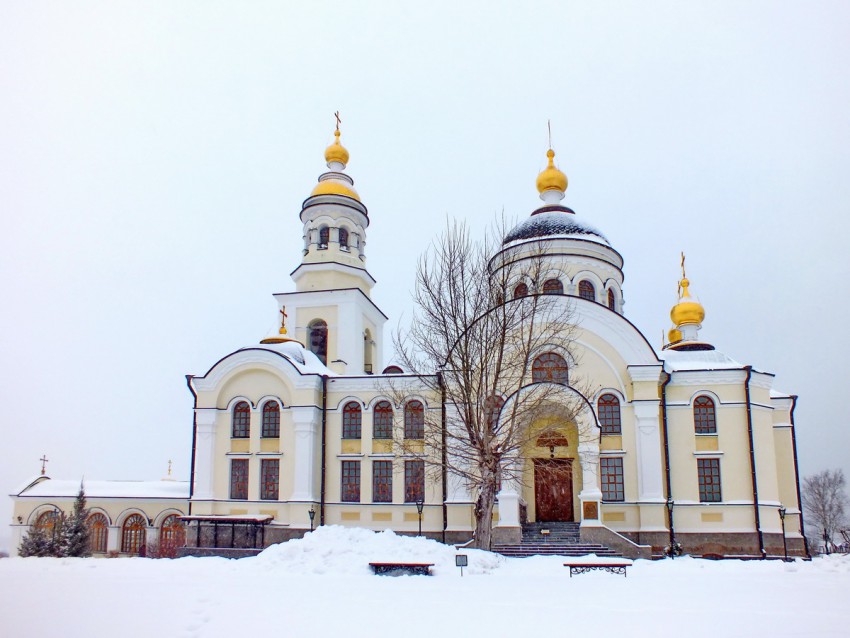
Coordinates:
x,y
583,568
421,569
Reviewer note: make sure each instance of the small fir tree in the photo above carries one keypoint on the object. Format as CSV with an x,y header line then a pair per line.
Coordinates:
x,y
75,529
35,543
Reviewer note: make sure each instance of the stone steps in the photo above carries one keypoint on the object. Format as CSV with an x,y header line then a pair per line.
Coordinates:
x,y
561,539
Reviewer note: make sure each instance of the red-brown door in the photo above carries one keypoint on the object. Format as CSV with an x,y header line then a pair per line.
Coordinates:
x,y
553,490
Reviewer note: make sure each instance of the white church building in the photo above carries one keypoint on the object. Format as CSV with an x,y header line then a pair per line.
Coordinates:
x,y
681,445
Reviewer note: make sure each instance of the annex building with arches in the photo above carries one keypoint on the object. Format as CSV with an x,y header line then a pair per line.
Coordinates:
x,y
677,446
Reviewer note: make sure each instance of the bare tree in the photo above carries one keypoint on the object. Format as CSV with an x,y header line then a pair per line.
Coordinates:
x,y
474,340
825,502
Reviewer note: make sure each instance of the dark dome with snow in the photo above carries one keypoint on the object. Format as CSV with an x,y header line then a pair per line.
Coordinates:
x,y
554,221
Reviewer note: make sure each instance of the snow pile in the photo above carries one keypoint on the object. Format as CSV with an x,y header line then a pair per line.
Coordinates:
x,y
337,550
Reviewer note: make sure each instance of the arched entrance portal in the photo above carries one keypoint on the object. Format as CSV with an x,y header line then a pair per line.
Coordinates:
x,y
559,479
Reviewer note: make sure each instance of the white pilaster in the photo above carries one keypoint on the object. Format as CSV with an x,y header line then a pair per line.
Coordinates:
x,y
205,424
306,422
588,454
509,505
648,443
113,539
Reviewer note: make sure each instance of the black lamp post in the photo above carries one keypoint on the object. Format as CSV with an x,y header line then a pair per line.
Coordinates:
x,y
420,505
825,542
312,515
784,542
670,522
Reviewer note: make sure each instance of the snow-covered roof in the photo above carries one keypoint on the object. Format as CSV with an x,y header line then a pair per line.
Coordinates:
x,y
305,361
675,360
108,489
561,223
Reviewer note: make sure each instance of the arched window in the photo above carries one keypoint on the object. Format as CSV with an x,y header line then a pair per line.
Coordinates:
x,y
586,290
317,338
241,421
553,287
98,532
521,290
609,414
351,420
612,301
393,370
492,409
324,237
704,417
414,420
271,420
368,348
382,420
133,534
343,239
172,534
549,367
47,522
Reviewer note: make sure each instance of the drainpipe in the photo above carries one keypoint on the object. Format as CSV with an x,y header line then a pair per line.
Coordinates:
x,y
324,445
195,441
797,476
749,370
443,459
667,456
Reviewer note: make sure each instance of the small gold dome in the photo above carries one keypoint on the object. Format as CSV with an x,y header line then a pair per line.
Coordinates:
x,y
674,335
336,152
334,187
688,310
551,179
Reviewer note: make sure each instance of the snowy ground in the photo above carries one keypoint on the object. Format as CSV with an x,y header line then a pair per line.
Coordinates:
x,y
321,586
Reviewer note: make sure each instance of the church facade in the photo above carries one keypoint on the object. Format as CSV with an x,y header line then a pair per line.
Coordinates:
x,y
681,447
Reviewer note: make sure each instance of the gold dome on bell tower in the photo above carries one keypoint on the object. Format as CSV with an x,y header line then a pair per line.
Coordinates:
x,y
336,152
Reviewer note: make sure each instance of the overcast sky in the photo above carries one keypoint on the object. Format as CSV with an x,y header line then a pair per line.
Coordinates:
x,y
154,157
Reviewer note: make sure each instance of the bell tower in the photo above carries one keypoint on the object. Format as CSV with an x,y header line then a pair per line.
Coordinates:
x,y
335,222
334,315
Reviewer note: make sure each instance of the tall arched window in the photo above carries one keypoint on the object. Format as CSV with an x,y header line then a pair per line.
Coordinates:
x,y
351,420
98,532
521,290
549,367
317,338
368,348
133,534
586,290
609,414
553,287
704,416
324,237
343,239
271,420
382,420
172,534
47,522
612,301
492,409
414,420
241,421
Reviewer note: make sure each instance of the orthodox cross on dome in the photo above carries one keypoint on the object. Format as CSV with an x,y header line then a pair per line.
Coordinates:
x,y
43,460
682,263
549,126
169,467
283,317
338,121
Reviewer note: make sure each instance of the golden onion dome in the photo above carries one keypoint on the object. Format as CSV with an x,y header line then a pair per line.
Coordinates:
x,y
550,178
336,152
688,310
335,187
674,335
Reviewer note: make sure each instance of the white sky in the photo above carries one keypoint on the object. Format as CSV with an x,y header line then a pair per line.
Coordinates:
x,y
154,157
